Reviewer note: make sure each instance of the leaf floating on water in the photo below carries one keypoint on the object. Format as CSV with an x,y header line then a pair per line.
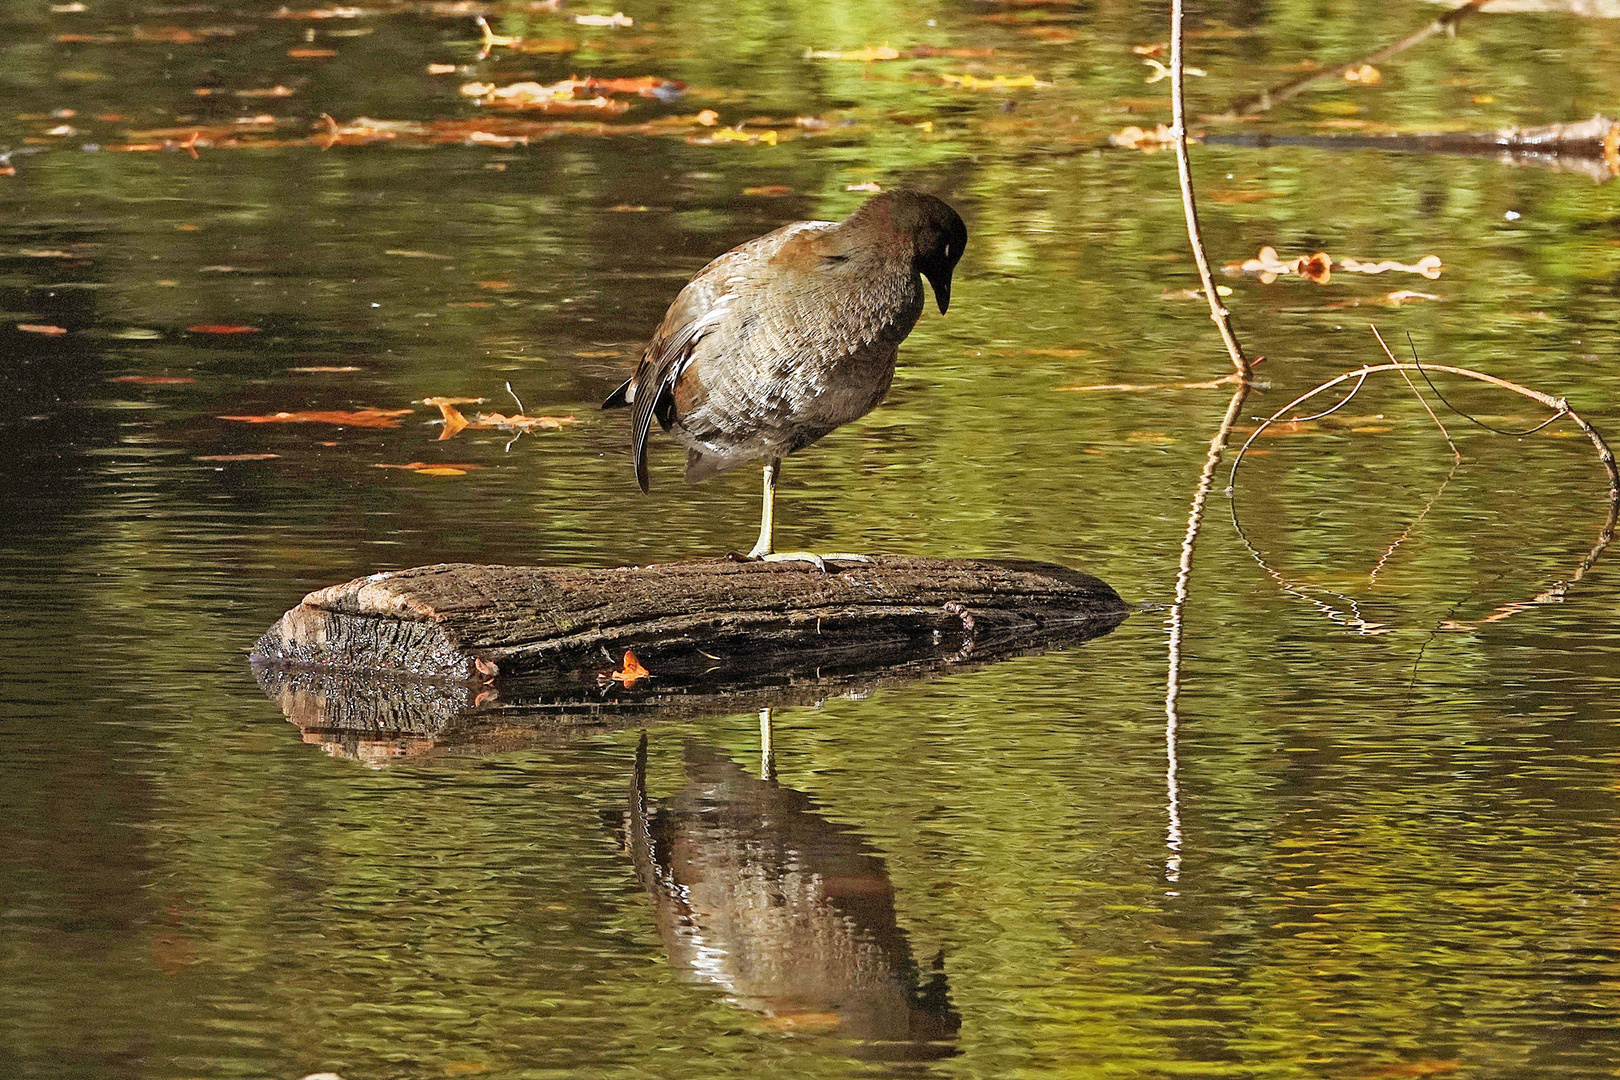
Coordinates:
x,y
426,469
866,55
405,254
615,21
454,421
769,191
870,185
999,82
323,369
1135,138
152,380
222,328
41,328
241,457
1429,266
311,54
322,13
522,423
360,418
630,672
558,97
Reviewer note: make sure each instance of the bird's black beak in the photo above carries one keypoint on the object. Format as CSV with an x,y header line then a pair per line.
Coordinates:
x,y
942,289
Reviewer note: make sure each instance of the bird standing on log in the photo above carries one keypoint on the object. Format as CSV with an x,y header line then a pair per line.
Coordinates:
x,y
782,339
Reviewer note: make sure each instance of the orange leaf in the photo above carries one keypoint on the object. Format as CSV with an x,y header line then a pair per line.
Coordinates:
x,y
630,671
222,328
152,380
453,420
40,328
361,418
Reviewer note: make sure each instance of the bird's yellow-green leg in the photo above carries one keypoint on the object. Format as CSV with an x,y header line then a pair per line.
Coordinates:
x,y
762,548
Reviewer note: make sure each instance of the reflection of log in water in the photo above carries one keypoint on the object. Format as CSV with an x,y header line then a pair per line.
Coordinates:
x,y
791,915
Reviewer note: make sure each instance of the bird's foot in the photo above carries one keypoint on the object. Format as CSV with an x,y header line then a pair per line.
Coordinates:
x,y
818,561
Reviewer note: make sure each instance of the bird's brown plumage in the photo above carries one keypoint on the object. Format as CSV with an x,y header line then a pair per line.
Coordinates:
x,y
782,339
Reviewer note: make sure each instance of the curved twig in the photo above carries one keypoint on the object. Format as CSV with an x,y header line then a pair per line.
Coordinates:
x,y
1560,408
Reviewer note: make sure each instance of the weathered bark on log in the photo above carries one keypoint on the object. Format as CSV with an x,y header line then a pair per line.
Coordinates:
x,y
411,660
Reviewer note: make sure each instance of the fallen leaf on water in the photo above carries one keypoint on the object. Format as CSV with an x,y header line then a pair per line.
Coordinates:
x,y
40,328
441,69
765,137
1429,266
520,422
1432,1067
999,82
626,208
222,328
1365,74
404,254
1154,49
322,369
870,185
429,469
616,20
1317,268
1135,138
495,285
453,400
866,55
630,672
152,380
311,54
454,421
557,97
770,191
236,457
360,418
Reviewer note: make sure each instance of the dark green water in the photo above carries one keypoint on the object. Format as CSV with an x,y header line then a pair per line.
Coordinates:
x,y
1385,854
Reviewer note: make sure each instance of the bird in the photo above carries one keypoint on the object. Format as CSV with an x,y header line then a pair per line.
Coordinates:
x,y
782,339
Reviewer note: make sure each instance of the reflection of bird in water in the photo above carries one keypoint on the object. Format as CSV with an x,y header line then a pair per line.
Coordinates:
x,y
791,915
782,339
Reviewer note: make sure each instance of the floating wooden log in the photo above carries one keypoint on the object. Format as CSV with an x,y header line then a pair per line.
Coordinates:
x,y
1590,147
456,652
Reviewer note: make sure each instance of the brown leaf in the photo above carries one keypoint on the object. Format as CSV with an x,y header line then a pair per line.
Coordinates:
x,y
630,671
311,54
222,328
769,191
152,380
520,422
40,328
360,418
454,422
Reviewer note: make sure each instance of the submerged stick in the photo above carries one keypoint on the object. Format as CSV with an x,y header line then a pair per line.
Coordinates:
x,y
1269,98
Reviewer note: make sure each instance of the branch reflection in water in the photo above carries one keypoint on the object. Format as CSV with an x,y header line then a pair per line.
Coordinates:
x,y
1172,686
789,914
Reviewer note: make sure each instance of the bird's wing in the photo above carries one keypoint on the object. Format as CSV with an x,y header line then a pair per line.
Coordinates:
x,y
702,306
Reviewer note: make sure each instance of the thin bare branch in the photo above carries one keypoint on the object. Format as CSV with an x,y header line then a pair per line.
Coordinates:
x,y
1456,453
1267,99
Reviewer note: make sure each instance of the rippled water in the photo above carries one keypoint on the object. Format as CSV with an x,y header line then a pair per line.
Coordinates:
x,y
1389,848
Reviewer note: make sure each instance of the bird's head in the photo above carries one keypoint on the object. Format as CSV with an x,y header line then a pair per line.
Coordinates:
x,y
941,238
933,232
